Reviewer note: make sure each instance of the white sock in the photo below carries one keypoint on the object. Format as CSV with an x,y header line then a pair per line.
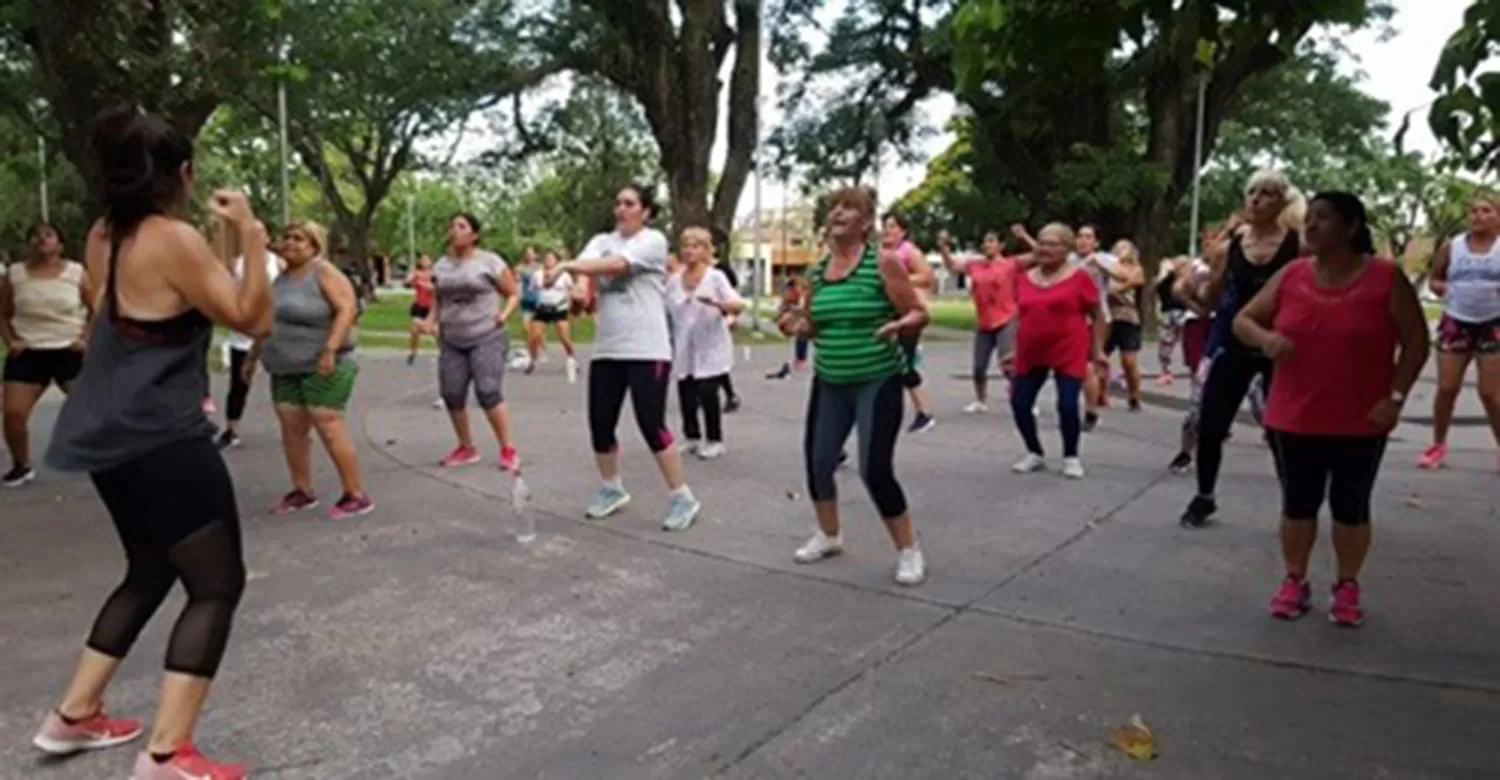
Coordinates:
x,y
615,484
683,492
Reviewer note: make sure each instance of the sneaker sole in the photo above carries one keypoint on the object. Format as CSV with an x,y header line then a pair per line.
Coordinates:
x,y
1345,623
278,512
22,482
825,556
607,511
912,583
60,748
338,514
692,518
460,463
1290,617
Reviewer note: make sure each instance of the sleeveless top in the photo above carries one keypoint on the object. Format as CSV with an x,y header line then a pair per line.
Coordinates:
x,y
1343,351
845,315
49,311
1243,281
1473,282
141,388
303,317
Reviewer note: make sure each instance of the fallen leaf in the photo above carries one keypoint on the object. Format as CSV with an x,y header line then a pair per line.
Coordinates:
x,y
1414,501
1134,739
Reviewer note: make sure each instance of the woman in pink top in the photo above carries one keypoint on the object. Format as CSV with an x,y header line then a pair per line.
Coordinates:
x,y
992,285
1349,339
894,235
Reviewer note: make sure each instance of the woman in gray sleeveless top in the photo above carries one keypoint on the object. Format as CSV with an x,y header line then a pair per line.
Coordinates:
x,y
135,423
310,357
475,295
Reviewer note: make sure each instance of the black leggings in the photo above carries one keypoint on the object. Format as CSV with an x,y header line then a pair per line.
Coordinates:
x,y
175,512
912,379
1341,469
701,393
1224,391
647,381
728,383
239,389
875,408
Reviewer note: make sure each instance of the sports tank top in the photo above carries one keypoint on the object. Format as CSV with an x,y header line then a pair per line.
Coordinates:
x,y
142,387
1243,281
845,315
49,311
303,317
1343,351
1473,282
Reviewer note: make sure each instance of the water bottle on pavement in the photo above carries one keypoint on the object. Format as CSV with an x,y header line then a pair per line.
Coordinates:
x,y
520,501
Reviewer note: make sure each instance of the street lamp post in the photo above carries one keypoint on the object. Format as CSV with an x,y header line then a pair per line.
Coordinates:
x,y
1198,163
41,158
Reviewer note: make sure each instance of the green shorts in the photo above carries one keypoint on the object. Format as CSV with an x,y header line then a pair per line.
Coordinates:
x,y
316,391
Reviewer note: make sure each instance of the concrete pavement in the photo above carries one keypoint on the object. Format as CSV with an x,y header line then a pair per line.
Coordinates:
x,y
424,642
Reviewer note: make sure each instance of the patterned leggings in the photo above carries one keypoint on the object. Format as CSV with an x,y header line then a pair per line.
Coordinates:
x,y
1168,336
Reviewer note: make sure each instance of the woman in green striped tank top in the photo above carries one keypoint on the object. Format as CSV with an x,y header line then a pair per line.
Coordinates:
x,y
862,299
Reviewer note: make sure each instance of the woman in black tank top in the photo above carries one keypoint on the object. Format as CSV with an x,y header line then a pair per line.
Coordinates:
x,y
135,424
1241,265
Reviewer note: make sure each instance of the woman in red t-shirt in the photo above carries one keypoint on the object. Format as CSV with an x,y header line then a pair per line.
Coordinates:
x,y
420,282
1349,339
1062,326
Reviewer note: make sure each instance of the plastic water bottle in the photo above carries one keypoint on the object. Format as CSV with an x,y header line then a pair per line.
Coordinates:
x,y
520,501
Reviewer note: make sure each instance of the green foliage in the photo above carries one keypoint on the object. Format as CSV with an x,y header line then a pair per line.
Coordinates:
x,y
1466,115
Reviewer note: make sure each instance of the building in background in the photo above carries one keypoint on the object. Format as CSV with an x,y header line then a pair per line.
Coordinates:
x,y
789,240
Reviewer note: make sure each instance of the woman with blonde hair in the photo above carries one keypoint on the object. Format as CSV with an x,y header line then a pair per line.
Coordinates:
x,y
1240,266
700,301
1123,299
310,357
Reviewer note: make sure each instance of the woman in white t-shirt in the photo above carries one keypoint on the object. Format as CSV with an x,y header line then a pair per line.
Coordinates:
x,y
701,300
244,354
554,306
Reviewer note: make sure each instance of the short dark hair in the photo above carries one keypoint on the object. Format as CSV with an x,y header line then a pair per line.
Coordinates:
x,y
646,194
896,217
42,224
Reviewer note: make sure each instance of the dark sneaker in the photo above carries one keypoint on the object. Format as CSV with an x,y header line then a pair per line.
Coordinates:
x,y
295,501
1135,404
781,373
228,440
1181,463
732,405
922,423
351,506
18,476
1090,421
1199,510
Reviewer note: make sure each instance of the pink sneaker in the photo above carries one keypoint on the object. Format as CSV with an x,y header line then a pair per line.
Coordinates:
x,y
1292,599
510,460
186,764
1343,608
100,731
460,456
1165,379
1433,457
351,506
295,501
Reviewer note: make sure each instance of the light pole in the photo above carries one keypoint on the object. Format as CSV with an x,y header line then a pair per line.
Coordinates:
x,y
411,229
286,174
41,158
1198,163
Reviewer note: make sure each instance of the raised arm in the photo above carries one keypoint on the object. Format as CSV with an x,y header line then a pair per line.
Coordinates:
x,y
1437,278
647,254
195,270
1253,324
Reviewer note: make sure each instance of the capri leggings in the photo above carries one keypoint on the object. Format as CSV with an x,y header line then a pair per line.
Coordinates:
x,y
647,381
239,389
875,409
1340,469
482,365
1229,379
988,344
175,512
912,379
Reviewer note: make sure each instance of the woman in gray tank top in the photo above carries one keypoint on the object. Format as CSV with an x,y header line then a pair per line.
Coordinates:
x,y
135,423
310,357
475,294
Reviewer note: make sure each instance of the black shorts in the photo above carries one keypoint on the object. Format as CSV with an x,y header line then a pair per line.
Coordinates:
x,y
547,316
1340,469
44,366
420,312
1124,336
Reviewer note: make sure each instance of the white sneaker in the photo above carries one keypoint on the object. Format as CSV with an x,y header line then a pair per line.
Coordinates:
x,y
820,546
572,371
711,451
691,446
978,407
1073,468
911,567
1030,464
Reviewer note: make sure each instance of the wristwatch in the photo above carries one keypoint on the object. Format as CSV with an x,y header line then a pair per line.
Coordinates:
x,y
1398,396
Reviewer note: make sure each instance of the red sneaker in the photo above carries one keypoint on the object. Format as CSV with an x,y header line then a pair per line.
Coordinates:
x,y
295,501
186,764
1343,608
1292,599
96,732
460,456
510,460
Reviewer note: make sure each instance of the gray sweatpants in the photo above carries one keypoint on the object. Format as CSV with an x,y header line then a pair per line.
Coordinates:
x,y
481,364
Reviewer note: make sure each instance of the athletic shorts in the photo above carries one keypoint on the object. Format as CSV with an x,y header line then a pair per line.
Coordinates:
x,y
1457,337
44,366
1338,469
999,344
314,390
547,315
420,312
1123,336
